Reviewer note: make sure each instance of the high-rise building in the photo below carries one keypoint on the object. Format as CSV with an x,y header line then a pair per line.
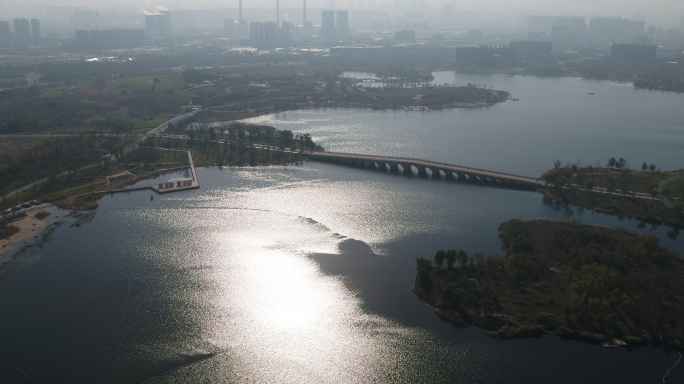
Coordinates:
x,y
82,39
263,34
35,28
635,28
328,31
561,33
164,24
539,23
101,40
158,25
285,31
578,26
609,28
342,25
22,29
151,25
5,32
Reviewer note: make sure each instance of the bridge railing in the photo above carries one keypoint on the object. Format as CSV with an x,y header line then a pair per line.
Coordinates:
x,y
360,156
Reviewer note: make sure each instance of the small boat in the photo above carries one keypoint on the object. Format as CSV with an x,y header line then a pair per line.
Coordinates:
x,y
151,197
591,93
615,343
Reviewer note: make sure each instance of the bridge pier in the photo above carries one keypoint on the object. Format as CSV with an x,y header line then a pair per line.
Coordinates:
x,y
407,170
422,172
449,176
436,175
394,168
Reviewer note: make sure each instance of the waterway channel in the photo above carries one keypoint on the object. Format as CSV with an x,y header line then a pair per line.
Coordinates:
x,y
302,274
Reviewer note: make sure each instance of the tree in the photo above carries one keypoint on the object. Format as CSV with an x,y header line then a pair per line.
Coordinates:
x,y
439,257
424,267
620,163
450,258
644,166
612,162
650,243
462,257
652,167
590,185
557,164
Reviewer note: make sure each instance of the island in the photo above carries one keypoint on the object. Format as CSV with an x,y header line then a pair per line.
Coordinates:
x,y
591,283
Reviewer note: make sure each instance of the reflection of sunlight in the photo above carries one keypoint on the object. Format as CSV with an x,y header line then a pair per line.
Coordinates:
x,y
269,306
288,298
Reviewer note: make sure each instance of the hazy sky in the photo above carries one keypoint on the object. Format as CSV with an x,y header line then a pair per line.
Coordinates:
x,y
555,6
651,9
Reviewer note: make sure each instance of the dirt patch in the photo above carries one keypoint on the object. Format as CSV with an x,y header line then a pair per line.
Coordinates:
x,y
29,227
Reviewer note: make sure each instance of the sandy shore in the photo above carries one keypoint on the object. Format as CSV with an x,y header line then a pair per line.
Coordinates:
x,y
29,226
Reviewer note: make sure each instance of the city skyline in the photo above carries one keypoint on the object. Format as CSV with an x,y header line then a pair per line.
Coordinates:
x,y
656,9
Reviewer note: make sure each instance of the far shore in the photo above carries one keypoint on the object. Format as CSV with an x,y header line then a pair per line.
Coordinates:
x,y
28,226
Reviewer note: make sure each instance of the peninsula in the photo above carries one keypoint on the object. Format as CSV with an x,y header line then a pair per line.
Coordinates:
x,y
649,194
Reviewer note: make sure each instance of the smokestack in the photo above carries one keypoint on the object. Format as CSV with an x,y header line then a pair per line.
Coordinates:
x,y
278,11
304,23
240,10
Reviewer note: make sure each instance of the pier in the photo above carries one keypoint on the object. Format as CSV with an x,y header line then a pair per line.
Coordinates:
x,y
171,186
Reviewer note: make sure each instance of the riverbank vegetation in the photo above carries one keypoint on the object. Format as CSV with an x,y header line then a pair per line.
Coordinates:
x,y
82,165
135,97
662,76
650,195
237,144
585,282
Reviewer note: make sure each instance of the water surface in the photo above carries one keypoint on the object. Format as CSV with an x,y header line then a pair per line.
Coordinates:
x,y
303,274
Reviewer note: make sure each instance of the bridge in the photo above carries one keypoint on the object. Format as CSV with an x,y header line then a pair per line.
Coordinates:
x,y
425,168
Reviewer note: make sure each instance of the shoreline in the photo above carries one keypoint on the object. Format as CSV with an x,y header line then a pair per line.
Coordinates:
x,y
28,226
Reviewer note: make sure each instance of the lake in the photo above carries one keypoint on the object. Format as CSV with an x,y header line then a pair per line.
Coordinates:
x,y
302,274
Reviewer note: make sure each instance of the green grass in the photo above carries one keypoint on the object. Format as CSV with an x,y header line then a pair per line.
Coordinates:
x,y
632,180
85,101
49,94
71,130
146,84
205,91
140,126
12,80
674,189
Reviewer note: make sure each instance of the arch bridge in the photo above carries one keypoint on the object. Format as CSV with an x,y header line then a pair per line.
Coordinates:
x,y
425,168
